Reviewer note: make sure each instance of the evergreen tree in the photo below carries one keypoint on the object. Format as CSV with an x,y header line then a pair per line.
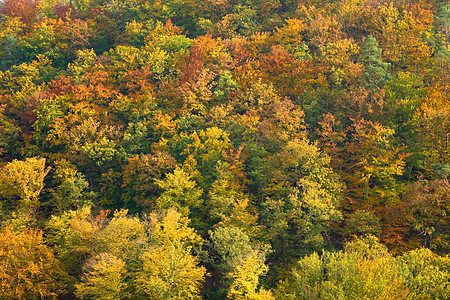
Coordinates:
x,y
376,72
11,53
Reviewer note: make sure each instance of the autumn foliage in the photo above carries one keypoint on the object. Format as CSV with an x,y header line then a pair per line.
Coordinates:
x,y
224,149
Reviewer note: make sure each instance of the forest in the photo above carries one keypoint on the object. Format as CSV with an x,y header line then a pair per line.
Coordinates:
x,y
224,149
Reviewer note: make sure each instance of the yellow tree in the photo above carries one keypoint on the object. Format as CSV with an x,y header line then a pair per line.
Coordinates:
x,y
170,270
28,268
73,234
374,165
117,255
123,237
229,207
103,278
245,278
21,183
434,135
179,191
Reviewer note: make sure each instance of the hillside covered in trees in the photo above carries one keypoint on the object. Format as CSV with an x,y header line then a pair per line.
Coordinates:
x,y
226,149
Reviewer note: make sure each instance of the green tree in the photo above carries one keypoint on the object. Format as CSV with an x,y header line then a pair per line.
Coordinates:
x,y
376,71
426,274
206,150
303,199
11,53
361,223
364,270
71,187
230,251
405,93
11,140
241,21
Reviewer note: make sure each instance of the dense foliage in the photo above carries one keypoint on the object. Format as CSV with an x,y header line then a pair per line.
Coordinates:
x,y
184,149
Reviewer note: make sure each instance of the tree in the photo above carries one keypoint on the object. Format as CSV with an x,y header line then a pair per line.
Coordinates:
x,y
364,270
242,21
240,260
405,93
404,28
103,278
11,140
179,192
124,237
140,178
71,187
205,150
51,38
376,72
442,21
289,75
231,245
170,270
21,183
373,165
106,254
229,207
73,235
426,274
93,145
245,278
126,256
11,53
422,216
433,132
26,10
361,223
28,268
303,197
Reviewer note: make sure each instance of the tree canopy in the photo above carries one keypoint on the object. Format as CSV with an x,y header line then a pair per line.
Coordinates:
x,y
184,149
